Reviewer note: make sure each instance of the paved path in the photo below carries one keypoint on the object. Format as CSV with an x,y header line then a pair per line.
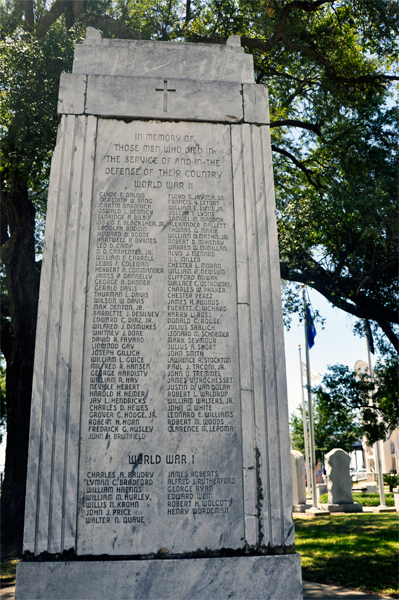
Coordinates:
x,y
327,592
310,590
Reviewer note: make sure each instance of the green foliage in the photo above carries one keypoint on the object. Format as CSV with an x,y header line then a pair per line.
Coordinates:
x,y
392,480
354,551
156,20
386,392
365,499
336,428
373,499
296,429
377,404
346,408
334,134
8,571
30,70
329,66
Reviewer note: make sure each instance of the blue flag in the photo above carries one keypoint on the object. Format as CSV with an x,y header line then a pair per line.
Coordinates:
x,y
310,328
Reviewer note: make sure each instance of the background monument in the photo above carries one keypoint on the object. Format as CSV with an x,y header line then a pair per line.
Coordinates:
x,y
298,482
159,446
339,483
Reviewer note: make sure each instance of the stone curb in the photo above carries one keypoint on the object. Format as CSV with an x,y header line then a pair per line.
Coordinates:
x,y
310,590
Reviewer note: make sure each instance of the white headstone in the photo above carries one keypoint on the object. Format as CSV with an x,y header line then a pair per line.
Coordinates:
x,y
298,480
338,477
339,483
159,425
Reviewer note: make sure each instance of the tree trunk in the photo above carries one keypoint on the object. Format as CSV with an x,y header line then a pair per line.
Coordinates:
x,y
23,276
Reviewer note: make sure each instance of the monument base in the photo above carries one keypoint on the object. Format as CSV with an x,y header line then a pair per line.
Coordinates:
x,y
249,577
383,509
347,508
315,511
300,508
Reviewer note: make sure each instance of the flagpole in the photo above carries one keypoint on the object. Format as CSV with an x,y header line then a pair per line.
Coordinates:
x,y
310,408
377,457
305,422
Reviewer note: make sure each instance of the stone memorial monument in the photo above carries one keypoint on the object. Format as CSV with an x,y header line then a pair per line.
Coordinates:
x,y
339,483
298,482
159,428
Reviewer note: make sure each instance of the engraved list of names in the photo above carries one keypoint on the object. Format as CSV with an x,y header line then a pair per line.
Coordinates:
x,y
161,450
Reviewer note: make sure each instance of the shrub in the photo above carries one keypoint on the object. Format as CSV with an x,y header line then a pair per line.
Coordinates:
x,y
392,480
365,499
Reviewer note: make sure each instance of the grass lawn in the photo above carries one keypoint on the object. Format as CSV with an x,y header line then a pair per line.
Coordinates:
x,y
354,551
358,551
7,576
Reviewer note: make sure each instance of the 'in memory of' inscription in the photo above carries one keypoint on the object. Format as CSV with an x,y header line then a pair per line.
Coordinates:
x,y
161,426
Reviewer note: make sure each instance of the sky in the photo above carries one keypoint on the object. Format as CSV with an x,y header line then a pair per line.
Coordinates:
x,y
334,344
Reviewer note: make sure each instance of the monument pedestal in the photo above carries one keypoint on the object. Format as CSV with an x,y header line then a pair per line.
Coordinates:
x,y
348,507
159,423
315,511
383,509
249,577
300,508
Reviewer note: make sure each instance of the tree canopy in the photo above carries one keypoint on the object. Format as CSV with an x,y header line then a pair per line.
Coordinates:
x,y
332,429
374,404
329,66
347,407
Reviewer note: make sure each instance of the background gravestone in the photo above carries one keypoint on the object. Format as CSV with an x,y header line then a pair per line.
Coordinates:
x,y
339,483
159,425
298,481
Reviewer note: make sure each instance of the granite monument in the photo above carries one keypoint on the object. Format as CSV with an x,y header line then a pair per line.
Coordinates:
x,y
159,438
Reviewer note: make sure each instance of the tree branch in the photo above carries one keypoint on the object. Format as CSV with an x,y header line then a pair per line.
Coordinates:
x,y
279,36
265,46
306,6
29,15
50,17
4,237
188,12
118,28
274,71
390,266
330,70
333,288
308,173
389,332
69,15
103,22
295,123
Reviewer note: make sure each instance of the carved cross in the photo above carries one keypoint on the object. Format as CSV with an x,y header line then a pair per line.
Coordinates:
x,y
165,94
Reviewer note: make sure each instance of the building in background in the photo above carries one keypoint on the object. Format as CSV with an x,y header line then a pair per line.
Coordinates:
x,y
357,456
389,451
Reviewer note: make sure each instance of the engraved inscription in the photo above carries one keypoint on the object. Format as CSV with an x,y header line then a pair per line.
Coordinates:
x,y
161,460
